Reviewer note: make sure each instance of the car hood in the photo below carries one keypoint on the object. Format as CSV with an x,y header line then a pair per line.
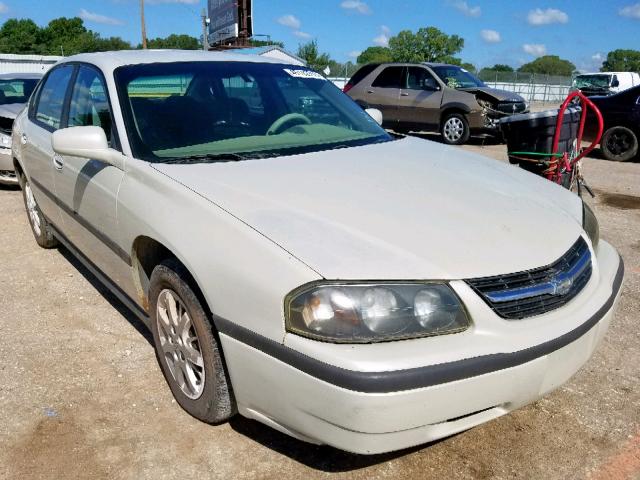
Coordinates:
x,y
407,209
498,95
11,110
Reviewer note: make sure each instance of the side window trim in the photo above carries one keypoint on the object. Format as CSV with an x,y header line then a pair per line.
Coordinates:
x,y
65,106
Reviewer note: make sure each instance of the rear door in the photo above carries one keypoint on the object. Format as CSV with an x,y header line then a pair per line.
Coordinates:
x,y
420,98
45,117
384,94
87,189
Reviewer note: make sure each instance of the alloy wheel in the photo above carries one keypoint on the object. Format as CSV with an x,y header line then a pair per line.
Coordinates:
x,y
453,129
180,345
619,143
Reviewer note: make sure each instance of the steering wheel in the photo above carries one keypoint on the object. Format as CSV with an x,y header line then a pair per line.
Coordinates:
x,y
295,118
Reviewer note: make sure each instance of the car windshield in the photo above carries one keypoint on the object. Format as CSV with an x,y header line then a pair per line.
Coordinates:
x,y
223,111
16,91
457,77
592,81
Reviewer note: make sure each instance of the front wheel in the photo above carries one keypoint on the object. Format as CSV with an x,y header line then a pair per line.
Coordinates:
x,y
39,226
619,144
455,129
186,346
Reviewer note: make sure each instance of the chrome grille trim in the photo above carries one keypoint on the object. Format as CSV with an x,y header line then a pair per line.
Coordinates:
x,y
534,292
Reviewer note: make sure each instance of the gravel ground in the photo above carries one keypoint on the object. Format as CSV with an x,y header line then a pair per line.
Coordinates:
x,y
81,394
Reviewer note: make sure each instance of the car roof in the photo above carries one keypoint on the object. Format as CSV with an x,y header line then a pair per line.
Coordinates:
x,y
108,61
428,64
21,76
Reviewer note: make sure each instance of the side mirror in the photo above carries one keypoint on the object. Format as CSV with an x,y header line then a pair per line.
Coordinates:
x,y
615,83
375,114
86,142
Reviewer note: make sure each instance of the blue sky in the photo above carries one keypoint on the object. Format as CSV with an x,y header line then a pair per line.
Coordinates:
x,y
512,32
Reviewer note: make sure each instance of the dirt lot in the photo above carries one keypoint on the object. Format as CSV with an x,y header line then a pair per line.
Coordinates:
x,y
81,394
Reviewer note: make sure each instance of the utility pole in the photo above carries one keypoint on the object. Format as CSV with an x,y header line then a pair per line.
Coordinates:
x,y
205,37
144,28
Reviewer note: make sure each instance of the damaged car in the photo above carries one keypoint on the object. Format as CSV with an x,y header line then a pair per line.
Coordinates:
x,y
15,90
433,97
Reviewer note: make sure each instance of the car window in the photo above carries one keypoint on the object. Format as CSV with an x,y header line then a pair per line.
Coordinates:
x,y
52,95
16,91
249,109
89,103
391,77
419,79
457,77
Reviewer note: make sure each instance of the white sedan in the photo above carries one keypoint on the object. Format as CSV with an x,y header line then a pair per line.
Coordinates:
x,y
299,265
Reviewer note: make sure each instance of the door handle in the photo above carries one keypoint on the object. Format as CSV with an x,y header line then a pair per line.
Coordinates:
x,y
58,162
403,94
369,91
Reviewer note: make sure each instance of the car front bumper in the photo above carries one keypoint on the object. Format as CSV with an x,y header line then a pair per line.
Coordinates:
x,y
7,173
373,411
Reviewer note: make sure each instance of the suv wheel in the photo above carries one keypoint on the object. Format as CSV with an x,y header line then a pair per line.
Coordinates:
x,y
39,225
186,346
455,129
619,144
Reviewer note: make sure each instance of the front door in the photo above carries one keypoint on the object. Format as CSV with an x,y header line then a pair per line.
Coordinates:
x,y
87,189
420,99
45,117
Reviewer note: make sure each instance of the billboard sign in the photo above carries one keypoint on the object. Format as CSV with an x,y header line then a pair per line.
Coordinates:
x,y
223,20
228,19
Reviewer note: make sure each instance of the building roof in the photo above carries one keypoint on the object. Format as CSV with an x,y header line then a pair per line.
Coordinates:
x,y
20,76
269,48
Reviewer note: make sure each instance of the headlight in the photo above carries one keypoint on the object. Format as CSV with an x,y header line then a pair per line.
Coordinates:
x,y
5,140
374,312
590,224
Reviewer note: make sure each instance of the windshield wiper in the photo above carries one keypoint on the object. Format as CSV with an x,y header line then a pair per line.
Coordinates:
x,y
209,158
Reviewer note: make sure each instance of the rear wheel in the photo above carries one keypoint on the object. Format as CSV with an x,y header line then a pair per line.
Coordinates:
x,y
186,346
619,144
39,226
455,129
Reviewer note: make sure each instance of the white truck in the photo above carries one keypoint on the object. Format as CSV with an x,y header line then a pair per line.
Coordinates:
x,y
605,83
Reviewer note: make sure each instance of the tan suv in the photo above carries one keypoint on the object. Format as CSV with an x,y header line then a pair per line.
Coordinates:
x,y
432,97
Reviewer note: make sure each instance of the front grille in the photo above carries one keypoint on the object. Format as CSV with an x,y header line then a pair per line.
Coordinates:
x,y
534,292
511,107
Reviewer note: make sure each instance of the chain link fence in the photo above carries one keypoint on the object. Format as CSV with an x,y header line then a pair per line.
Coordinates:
x,y
533,87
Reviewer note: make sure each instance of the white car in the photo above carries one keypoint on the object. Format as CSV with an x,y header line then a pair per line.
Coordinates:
x,y
605,83
299,265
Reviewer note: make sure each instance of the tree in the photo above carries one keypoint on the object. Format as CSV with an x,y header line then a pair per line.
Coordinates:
x,y
622,61
375,55
470,67
265,43
315,60
549,65
501,67
426,45
20,36
180,42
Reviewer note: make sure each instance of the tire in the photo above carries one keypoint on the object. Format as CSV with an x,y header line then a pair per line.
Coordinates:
x,y
40,227
189,354
455,129
619,144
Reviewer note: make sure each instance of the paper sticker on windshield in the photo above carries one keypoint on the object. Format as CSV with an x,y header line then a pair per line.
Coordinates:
x,y
304,74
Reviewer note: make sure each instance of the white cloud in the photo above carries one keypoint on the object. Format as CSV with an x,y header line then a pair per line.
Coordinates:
x,y
490,36
546,17
290,21
355,54
535,49
382,40
630,11
356,6
3,8
302,35
97,18
466,9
